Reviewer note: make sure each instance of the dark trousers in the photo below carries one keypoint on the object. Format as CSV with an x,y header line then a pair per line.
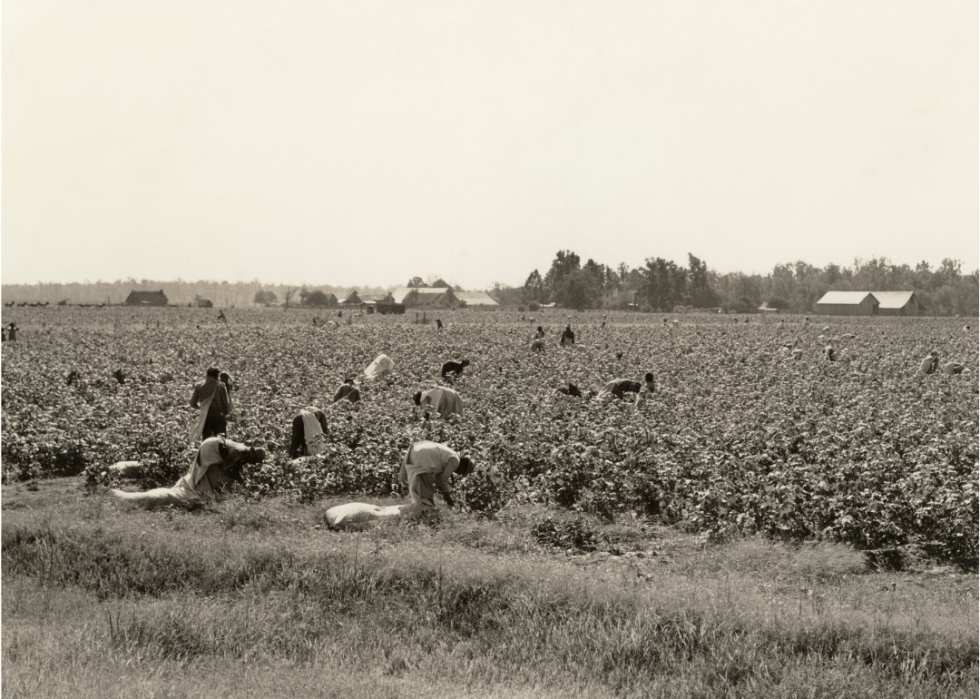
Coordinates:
x,y
214,424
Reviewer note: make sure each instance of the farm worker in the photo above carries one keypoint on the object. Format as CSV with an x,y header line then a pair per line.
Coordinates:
x,y
953,368
567,337
438,324
454,368
646,390
830,353
218,462
572,390
442,400
930,364
347,390
308,430
537,344
11,332
429,465
225,378
618,388
211,397
380,367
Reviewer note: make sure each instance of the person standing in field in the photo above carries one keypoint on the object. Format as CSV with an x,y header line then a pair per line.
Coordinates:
x,y
309,427
442,400
211,398
567,337
537,344
429,466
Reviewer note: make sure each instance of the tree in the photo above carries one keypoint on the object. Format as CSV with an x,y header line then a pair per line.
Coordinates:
x,y
416,283
534,288
440,284
318,299
266,298
565,263
290,293
578,290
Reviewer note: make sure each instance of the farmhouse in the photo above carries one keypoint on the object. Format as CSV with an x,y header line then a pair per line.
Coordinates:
x,y
146,298
202,303
898,303
425,297
476,298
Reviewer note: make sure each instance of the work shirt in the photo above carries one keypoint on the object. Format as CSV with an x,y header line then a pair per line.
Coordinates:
x,y
427,466
444,401
616,387
220,403
206,475
929,365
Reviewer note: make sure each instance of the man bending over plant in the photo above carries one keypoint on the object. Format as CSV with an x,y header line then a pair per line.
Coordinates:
x,y
444,401
429,465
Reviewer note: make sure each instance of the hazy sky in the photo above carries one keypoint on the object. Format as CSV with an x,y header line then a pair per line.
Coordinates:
x,y
368,142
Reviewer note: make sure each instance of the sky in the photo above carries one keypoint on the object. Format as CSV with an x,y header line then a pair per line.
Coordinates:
x,y
365,143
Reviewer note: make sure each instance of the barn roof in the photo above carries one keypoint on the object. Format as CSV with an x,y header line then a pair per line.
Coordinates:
x,y
350,297
152,298
849,298
425,293
476,298
893,299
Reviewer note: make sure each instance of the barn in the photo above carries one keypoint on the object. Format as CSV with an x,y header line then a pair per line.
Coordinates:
x,y
847,303
350,299
146,298
425,297
476,298
898,303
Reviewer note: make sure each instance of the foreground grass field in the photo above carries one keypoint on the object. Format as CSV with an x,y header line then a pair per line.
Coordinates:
x,y
261,599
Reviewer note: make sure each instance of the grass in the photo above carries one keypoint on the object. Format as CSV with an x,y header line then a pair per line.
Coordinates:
x,y
261,599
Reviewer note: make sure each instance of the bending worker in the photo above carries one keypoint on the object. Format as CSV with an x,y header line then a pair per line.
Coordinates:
x,y
429,465
217,463
309,427
442,400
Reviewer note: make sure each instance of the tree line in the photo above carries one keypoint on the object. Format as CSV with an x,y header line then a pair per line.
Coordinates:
x,y
663,285
657,285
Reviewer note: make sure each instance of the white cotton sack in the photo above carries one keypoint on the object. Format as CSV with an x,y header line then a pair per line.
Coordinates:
x,y
356,513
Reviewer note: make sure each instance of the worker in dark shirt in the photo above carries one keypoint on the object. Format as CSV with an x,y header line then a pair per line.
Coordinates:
x,y
347,390
619,388
455,368
309,426
567,337
213,394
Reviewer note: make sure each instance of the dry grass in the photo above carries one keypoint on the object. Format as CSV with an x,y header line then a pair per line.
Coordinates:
x,y
260,599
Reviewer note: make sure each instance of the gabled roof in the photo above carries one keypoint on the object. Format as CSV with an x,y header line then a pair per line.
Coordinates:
x,y
476,298
893,299
850,298
426,293
350,297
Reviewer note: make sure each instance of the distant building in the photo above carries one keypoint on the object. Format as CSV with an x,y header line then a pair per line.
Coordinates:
x,y
350,299
847,303
476,298
425,297
146,298
870,303
766,308
898,303
202,303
